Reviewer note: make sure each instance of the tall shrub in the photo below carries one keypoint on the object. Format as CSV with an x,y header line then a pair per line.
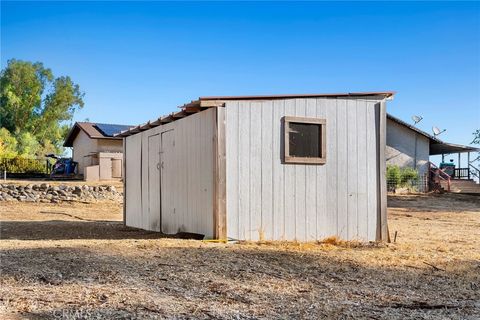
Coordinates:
x,y
408,176
393,176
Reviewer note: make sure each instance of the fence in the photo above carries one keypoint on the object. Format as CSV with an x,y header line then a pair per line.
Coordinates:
x,y
419,184
20,165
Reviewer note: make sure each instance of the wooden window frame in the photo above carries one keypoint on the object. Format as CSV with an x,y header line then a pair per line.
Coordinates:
x,y
304,160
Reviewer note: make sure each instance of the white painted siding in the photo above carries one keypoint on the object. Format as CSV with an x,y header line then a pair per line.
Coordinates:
x,y
270,200
192,182
133,181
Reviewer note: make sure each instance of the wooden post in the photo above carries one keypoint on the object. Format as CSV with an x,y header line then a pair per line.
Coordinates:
x,y
468,164
382,229
220,194
124,175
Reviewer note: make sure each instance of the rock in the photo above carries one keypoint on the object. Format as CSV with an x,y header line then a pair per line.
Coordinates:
x,y
44,193
402,191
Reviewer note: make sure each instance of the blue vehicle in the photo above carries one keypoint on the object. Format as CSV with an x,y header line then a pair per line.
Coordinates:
x,y
62,166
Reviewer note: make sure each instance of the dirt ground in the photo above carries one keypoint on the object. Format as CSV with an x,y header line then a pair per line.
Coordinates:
x,y
77,261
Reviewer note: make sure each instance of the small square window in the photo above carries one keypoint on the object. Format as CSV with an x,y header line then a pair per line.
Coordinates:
x,y
304,140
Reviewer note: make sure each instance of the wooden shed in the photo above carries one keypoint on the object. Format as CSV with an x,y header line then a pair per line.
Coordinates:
x,y
284,167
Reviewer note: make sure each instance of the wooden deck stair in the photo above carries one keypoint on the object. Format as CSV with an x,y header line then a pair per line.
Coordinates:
x,y
462,186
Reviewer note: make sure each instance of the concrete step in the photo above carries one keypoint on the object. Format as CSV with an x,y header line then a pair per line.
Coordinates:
x,y
466,182
462,186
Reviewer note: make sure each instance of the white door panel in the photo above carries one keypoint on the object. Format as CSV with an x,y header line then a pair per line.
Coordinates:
x,y
168,185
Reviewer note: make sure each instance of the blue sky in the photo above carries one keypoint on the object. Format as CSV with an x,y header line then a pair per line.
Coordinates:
x,y
137,61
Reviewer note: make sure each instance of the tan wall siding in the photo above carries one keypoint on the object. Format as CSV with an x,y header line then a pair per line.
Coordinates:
x,y
106,145
270,200
82,147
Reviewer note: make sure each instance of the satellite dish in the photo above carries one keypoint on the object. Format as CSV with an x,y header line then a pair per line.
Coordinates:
x,y
437,131
416,119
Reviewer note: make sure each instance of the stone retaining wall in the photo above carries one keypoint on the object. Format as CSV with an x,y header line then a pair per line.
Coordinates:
x,y
55,194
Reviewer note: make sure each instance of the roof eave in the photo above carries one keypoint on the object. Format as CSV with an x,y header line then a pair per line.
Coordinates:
x,y
386,94
206,102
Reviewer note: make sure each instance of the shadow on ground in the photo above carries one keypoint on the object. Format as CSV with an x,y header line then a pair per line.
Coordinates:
x,y
65,230
450,202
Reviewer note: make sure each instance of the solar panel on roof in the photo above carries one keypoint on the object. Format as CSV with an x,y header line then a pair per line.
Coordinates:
x,y
110,129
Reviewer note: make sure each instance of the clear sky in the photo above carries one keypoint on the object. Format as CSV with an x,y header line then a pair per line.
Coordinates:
x,y
137,61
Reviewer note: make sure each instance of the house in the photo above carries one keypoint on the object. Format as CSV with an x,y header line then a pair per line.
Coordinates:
x,y
408,146
282,167
97,151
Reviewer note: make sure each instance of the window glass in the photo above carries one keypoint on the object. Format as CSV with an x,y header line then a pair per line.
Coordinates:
x,y
305,140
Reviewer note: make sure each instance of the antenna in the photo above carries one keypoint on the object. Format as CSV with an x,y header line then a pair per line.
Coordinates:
x,y
437,131
416,119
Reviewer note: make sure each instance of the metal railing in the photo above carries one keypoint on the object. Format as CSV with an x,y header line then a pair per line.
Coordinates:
x,y
461,173
436,176
474,171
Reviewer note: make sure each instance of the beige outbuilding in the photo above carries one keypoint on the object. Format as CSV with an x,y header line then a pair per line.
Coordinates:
x,y
95,149
283,167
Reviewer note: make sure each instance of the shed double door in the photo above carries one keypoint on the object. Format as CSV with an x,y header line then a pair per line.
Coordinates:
x,y
161,182
154,183
168,182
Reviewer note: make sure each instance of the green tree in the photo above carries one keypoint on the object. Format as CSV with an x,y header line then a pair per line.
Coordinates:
x,y
8,144
35,106
476,140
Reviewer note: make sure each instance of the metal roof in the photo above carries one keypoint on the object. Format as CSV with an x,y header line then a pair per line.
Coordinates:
x,y
447,148
386,94
203,103
412,127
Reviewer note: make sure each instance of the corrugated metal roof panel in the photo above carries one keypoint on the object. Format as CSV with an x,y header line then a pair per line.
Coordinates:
x,y
307,95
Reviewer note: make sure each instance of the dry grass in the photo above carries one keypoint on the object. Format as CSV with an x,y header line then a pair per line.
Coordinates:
x,y
85,264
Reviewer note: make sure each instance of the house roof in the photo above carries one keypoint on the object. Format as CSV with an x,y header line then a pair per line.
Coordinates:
x,y
94,131
203,103
437,146
412,127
